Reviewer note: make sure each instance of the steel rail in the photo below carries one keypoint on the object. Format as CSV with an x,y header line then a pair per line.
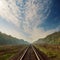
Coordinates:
x,y
34,53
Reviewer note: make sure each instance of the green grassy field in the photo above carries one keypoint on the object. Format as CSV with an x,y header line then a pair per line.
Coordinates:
x,y
7,52
52,51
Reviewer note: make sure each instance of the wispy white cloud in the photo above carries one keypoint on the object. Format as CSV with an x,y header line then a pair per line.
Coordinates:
x,y
35,13
9,10
41,33
26,16
11,32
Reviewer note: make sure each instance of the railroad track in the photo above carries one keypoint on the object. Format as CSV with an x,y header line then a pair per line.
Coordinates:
x,y
31,53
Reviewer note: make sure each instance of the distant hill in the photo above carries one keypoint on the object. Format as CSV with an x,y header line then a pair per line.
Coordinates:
x,y
53,38
9,40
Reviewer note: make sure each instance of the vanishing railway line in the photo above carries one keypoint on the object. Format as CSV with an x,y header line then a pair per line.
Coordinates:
x,y
31,53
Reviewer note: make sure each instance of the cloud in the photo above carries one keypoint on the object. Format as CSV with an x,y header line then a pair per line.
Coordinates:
x,y
26,15
36,11
29,12
8,11
11,32
41,33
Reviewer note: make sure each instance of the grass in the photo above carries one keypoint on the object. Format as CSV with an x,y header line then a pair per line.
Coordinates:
x,y
52,51
7,51
5,56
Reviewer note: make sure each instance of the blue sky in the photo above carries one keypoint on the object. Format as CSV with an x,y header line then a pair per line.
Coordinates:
x,y
29,19
53,20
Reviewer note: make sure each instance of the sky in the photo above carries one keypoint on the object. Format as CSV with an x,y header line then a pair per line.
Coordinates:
x,y
29,19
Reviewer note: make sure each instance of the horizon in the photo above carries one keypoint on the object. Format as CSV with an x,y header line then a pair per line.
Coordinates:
x,y
28,41
29,19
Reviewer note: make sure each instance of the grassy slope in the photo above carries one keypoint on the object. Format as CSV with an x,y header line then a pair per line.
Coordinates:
x,y
53,38
9,40
50,45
